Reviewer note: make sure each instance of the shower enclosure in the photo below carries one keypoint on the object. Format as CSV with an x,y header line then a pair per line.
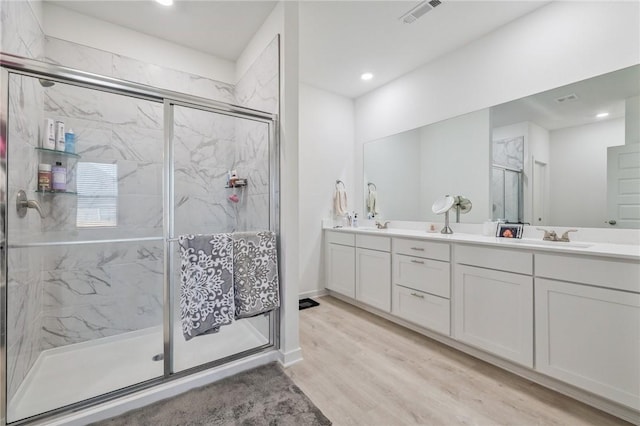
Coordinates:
x,y
90,272
507,179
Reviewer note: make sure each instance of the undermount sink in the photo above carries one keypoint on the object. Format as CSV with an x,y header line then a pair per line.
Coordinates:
x,y
544,243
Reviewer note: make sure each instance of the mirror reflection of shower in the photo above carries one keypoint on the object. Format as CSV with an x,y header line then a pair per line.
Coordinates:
x,y
507,179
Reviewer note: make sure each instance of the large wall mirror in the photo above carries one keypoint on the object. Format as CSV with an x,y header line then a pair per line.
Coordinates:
x,y
569,156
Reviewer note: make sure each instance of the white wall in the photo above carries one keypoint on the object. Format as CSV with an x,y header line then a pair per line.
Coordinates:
x,y
557,44
283,20
326,154
579,173
537,149
456,161
69,25
393,165
632,120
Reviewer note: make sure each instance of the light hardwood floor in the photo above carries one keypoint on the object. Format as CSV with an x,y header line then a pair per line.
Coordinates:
x,y
360,369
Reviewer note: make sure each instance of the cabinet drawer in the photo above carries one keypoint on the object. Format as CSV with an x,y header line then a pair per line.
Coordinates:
x,y
373,243
429,276
423,309
426,249
492,258
344,238
616,274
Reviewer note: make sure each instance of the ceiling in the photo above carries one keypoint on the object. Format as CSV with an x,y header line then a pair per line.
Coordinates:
x,y
605,93
339,40
220,28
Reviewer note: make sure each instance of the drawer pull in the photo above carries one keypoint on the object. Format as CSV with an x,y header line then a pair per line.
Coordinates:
x,y
421,296
417,261
417,248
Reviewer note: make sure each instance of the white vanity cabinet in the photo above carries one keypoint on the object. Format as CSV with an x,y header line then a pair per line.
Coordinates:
x,y
421,283
359,266
588,324
493,301
373,271
340,263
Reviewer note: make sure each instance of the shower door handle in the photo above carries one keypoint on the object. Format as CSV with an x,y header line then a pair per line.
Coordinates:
x,y
22,204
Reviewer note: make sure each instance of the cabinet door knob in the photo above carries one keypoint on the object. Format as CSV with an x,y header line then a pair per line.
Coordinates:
x,y
611,222
417,261
421,296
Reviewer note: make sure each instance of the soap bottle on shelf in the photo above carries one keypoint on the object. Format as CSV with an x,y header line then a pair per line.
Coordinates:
x,y
44,177
59,174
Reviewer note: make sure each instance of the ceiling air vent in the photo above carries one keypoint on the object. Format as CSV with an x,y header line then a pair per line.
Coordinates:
x,y
419,10
567,98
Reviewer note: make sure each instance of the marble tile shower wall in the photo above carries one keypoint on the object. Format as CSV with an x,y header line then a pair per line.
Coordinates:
x,y
87,297
509,152
109,64
258,89
103,289
20,34
20,31
24,304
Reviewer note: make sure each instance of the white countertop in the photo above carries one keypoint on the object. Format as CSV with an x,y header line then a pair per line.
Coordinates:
x,y
619,251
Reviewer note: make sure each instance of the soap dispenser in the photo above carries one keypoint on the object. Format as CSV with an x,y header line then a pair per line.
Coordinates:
x,y
355,220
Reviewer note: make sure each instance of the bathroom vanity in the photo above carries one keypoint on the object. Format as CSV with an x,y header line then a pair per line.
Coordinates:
x,y
565,316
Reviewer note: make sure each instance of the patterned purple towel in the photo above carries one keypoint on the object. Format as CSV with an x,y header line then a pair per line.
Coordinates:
x,y
255,273
206,278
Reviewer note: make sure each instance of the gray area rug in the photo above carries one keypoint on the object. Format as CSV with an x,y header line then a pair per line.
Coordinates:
x,y
262,396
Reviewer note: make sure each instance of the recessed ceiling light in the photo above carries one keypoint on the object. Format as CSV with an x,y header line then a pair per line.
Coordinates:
x,y
165,2
366,76
602,115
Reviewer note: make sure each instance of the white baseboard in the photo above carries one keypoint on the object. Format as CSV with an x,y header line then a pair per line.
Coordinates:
x,y
160,392
290,358
313,293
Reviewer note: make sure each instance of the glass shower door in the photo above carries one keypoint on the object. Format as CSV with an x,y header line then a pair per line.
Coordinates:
x,y
208,147
85,245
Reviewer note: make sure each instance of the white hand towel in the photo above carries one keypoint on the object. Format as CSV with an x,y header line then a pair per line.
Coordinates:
x,y
372,202
340,202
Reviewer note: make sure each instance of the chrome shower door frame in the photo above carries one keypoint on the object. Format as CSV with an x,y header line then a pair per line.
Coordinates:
x,y
10,64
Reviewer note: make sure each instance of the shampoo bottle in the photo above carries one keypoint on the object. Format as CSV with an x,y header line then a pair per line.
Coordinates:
x,y
59,136
70,141
49,138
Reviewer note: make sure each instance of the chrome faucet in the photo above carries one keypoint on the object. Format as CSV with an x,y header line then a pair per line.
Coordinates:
x,y
552,236
382,225
565,235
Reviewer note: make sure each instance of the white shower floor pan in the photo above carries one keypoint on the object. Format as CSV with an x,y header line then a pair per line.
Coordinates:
x,y
73,373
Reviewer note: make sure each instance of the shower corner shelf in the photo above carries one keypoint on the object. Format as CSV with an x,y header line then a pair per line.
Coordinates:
x,y
240,183
53,151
